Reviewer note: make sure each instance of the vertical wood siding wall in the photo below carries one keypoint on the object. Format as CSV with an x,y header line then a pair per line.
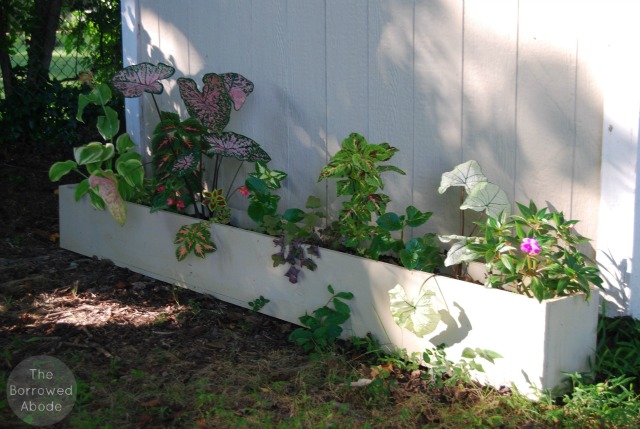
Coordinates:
x,y
511,84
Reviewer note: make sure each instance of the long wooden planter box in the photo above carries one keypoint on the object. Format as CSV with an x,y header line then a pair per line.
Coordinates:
x,y
538,342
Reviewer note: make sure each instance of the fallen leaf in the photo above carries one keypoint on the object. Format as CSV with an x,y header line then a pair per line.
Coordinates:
x,y
151,403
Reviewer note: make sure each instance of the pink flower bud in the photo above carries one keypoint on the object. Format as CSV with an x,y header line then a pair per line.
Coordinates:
x,y
244,191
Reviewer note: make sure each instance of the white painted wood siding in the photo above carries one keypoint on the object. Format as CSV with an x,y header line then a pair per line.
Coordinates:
x,y
509,83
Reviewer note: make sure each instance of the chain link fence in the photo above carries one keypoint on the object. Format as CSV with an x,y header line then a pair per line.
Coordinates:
x,y
66,62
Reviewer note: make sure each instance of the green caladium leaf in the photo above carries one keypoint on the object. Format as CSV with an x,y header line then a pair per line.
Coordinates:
x,y
487,197
194,238
416,315
124,143
94,152
468,174
129,166
100,95
61,169
109,124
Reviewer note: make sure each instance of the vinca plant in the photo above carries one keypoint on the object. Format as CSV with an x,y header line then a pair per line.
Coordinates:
x,y
536,253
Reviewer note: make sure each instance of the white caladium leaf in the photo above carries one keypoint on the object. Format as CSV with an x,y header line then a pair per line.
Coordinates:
x,y
459,253
418,316
489,198
467,174
450,238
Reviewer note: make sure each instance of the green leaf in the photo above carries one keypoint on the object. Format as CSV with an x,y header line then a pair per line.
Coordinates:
x,y
418,316
81,189
467,174
124,143
94,152
313,202
416,217
293,215
60,169
391,222
131,171
469,353
108,125
99,96
487,197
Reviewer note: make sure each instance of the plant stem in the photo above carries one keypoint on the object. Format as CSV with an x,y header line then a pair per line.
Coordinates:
x,y
233,180
157,108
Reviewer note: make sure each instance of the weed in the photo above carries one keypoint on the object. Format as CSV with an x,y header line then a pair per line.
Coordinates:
x,y
258,304
323,328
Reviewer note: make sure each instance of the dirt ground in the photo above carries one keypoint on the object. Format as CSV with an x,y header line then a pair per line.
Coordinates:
x,y
92,314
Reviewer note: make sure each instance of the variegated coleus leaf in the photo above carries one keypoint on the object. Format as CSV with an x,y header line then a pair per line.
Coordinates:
x,y
235,145
108,191
196,239
238,88
134,80
212,106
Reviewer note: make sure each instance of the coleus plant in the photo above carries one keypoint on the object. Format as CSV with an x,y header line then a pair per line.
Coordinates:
x,y
358,168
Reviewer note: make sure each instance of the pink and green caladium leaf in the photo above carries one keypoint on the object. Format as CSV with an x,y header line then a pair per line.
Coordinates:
x,y
108,191
238,88
134,80
212,106
235,145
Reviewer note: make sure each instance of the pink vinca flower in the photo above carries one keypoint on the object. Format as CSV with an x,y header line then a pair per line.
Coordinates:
x,y
180,205
244,191
530,246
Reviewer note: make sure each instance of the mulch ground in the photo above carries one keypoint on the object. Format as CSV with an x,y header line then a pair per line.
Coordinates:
x,y
59,303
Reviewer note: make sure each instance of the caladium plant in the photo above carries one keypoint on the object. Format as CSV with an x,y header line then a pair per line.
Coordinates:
x,y
477,194
112,169
183,148
179,147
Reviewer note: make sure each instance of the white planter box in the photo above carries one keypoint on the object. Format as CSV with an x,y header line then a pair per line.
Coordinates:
x,y
538,342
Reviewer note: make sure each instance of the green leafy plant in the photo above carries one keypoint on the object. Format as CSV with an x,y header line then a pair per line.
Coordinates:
x,y
295,228
444,372
323,328
535,253
113,170
258,304
179,146
358,168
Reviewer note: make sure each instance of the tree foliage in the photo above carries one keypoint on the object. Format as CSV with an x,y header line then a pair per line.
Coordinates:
x,y
37,105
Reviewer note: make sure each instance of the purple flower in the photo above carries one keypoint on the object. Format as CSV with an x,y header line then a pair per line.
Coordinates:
x,y
530,246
